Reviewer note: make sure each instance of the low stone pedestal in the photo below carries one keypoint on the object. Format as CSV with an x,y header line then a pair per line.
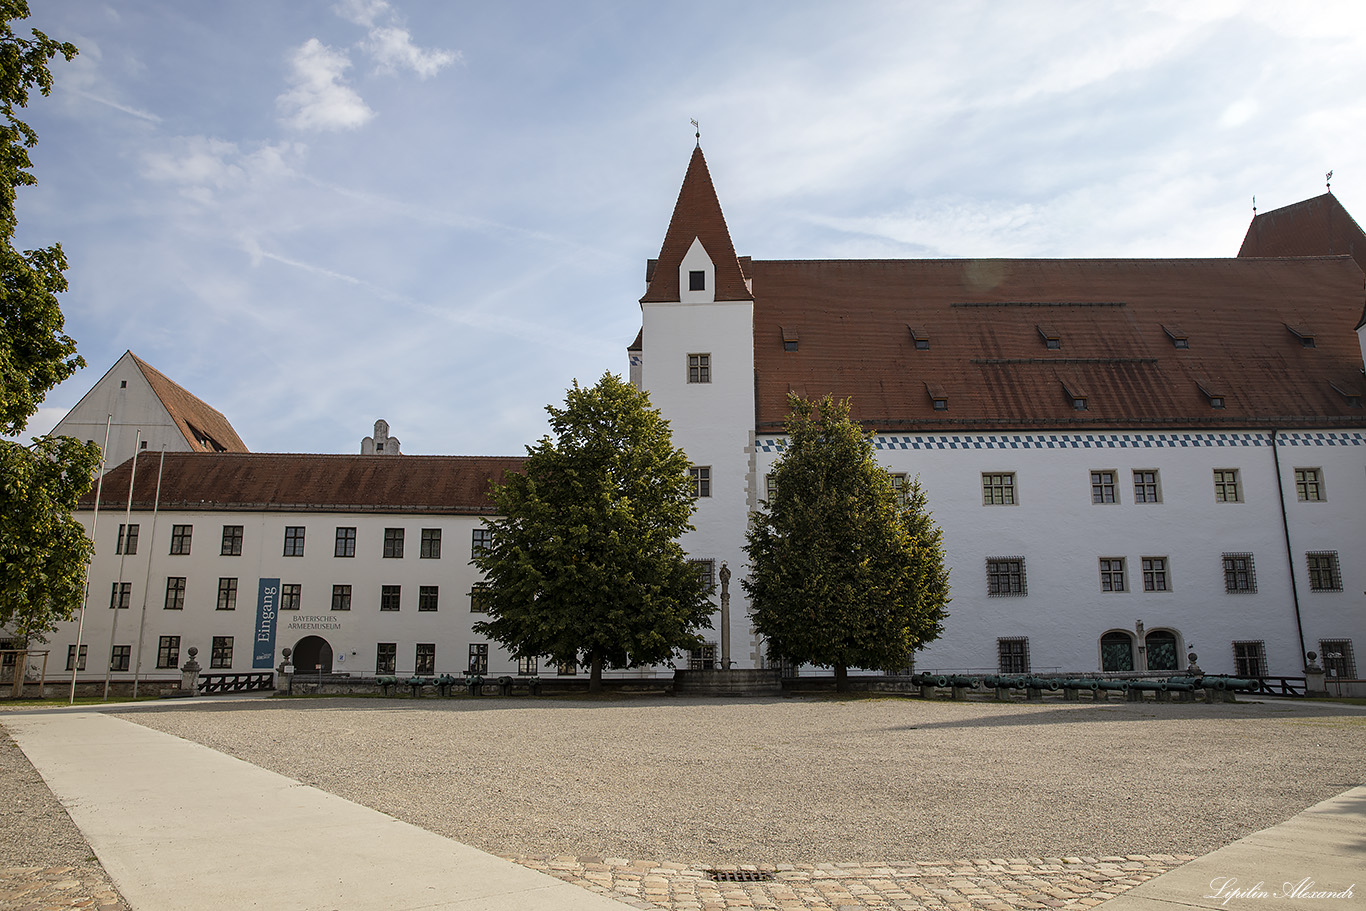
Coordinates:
x,y
733,682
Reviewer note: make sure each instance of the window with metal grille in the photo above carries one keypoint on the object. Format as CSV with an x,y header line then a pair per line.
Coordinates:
x,y
479,658
427,596
386,657
71,656
1324,574
1155,574
1006,576
1012,654
1227,488
118,657
120,593
389,597
341,597
998,489
128,539
527,667
425,658
1103,487
1112,574
702,659
232,541
180,539
1240,576
430,548
291,594
1338,660
294,540
168,651
1116,652
1249,659
220,655
227,594
701,480
699,368
1309,484
393,543
706,571
1145,487
346,543
175,593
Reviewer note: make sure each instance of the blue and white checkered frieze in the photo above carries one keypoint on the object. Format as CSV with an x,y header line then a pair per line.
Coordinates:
x,y
1096,440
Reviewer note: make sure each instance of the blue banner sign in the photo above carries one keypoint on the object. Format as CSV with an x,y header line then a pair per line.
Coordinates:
x,y
267,612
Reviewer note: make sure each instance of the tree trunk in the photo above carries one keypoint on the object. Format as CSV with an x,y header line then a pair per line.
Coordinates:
x,y
841,678
595,673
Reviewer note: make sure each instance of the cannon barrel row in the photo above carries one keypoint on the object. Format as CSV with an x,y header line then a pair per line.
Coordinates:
x,y
1024,681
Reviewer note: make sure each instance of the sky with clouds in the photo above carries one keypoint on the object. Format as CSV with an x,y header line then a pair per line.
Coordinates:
x,y
315,214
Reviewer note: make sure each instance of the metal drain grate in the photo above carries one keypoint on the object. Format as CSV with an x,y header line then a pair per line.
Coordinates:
x,y
739,876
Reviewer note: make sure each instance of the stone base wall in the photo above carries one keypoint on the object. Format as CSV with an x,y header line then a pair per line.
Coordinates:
x,y
734,682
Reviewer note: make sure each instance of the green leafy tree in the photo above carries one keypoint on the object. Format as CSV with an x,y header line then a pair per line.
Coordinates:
x,y
43,549
585,565
845,569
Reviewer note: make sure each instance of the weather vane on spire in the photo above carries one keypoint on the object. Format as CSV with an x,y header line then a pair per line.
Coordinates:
x,y
1328,181
698,134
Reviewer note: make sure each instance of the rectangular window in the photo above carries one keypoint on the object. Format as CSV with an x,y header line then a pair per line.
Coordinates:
x,y
1006,577
386,657
1103,487
481,540
1112,574
120,593
71,656
770,486
1240,578
389,597
232,542
168,651
1338,660
998,489
1146,489
479,598
706,571
479,658
118,657
427,597
180,539
701,480
1309,484
128,539
220,657
699,368
1227,488
1155,574
175,593
697,280
291,595
566,670
341,597
393,543
702,659
294,540
1324,574
901,486
227,594
527,667
1249,659
346,543
426,658
430,549
1012,655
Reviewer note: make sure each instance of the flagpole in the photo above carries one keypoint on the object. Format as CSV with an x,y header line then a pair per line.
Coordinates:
x,y
80,623
147,585
118,586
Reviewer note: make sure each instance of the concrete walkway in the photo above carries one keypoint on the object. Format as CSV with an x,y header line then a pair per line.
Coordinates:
x,y
178,825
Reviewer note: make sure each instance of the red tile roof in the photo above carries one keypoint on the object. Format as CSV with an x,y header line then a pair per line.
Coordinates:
x,y
204,428
1314,227
989,358
697,215
290,482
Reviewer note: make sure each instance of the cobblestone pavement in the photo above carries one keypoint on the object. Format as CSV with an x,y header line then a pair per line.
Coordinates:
x,y
57,889
997,884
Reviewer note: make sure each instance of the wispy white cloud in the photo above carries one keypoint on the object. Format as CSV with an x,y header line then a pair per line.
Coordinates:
x,y
201,165
319,97
392,49
361,12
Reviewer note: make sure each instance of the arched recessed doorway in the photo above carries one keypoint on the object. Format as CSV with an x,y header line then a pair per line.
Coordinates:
x,y
1116,651
312,655
1162,653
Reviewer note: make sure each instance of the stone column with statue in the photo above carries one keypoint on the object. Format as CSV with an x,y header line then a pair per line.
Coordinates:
x,y
725,617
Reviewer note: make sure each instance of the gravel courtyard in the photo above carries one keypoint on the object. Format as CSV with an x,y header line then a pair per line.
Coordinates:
x,y
802,781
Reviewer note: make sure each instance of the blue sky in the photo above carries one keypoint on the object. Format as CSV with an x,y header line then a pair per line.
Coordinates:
x,y
314,214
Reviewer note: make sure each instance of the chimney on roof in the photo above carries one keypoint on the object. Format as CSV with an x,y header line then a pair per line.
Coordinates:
x,y
381,443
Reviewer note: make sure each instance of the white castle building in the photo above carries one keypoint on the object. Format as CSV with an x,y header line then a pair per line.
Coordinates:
x,y
1130,460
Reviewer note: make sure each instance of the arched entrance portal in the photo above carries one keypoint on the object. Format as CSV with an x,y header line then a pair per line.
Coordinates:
x,y
312,655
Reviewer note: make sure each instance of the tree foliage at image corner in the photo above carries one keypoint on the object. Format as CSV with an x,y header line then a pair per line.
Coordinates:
x,y
584,566
845,570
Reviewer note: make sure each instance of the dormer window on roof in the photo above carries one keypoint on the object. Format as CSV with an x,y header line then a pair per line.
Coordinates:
x,y
920,338
1051,338
1211,392
697,280
1179,338
1304,335
938,397
1352,395
789,339
1076,394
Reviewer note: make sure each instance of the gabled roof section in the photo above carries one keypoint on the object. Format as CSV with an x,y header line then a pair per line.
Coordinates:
x,y
697,216
205,429
288,482
1314,227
